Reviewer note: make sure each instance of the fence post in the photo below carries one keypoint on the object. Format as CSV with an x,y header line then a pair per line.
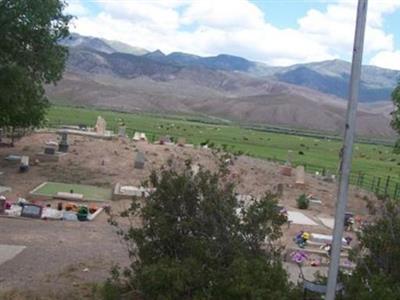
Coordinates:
x,y
361,180
396,191
378,184
373,183
387,185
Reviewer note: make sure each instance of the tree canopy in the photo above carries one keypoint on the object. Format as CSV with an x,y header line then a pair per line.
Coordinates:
x,y
197,241
396,114
377,275
30,57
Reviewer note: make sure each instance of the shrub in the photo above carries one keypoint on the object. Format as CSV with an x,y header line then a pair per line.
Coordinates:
x,y
197,241
377,275
303,202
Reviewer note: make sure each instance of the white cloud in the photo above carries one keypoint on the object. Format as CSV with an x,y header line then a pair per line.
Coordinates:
x,y
336,26
387,59
157,15
76,8
239,27
223,15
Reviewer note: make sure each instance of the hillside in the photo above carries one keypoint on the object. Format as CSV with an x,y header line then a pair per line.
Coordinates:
x,y
223,86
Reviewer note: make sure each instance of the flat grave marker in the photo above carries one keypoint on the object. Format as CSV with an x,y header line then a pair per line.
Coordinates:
x,y
299,218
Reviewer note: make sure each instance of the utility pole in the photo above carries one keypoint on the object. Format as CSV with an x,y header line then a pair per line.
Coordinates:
x,y
347,150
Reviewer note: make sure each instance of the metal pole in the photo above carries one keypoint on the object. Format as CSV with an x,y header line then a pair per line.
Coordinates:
x,y
345,165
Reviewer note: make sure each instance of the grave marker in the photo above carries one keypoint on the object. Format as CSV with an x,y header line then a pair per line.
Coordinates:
x,y
122,131
101,125
139,160
300,175
24,165
31,211
286,171
63,145
49,150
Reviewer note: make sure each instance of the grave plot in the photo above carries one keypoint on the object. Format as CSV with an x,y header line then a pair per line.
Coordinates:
x,y
296,217
129,192
328,222
82,192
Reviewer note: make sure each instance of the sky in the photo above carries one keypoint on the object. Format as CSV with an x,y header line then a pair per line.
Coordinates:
x,y
276,32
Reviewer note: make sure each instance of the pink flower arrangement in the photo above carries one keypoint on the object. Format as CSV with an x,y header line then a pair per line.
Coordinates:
x,y
299,257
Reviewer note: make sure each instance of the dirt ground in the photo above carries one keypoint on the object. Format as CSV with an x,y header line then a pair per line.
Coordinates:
x,y
65,255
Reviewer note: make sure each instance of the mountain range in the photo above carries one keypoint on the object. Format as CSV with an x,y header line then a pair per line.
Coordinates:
x,y
114,75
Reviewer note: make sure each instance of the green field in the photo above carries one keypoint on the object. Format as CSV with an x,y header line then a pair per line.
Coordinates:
x,y
89,192
369,159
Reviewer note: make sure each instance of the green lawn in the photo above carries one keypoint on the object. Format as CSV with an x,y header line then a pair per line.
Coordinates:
x,y
373,160
50,189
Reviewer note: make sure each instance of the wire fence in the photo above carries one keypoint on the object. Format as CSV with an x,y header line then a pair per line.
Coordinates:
x,y
381,186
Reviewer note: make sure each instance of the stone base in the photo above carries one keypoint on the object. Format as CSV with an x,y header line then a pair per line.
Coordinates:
x,y
63,148
43,157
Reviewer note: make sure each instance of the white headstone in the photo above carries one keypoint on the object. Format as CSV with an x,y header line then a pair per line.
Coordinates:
x,y
101,125
300,175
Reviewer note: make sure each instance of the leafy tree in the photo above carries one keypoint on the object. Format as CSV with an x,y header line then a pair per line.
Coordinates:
x,y
396,114
30,57
377,275
197,241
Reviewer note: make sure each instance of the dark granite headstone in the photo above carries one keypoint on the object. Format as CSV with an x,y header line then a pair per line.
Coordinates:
x,y
49,150
31,211
63,145
2,205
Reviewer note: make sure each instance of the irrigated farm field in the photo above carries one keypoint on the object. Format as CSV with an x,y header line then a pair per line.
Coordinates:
x,y
371,160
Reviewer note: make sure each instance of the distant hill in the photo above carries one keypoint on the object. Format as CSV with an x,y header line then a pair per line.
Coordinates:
x,y
221,86
97,44
125,48
332,77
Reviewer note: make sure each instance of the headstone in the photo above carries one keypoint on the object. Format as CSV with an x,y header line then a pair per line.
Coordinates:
x,y
100,125
139,160
32,211
24,165
286,171
49,150
63,145
279,189
300,175
181,142
165,139
2,204
136,136
139,136
143,136
122,131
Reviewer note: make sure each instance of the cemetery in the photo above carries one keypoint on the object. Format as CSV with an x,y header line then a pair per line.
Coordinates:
x,y
76,179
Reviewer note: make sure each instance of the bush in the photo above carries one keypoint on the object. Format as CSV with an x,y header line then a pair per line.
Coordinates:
x,y
377,275
303,202
197,241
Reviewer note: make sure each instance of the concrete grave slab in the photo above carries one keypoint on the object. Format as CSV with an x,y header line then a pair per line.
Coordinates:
x,y
328,222
299,218
324,238
8,252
